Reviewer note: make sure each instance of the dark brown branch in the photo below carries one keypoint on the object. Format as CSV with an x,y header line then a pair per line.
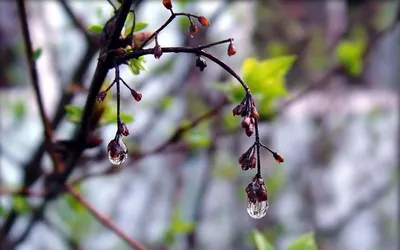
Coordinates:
x,y
98,79
104,219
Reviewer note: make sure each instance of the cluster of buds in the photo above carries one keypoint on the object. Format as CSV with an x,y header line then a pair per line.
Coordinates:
x,y
257,198
247,109
248,159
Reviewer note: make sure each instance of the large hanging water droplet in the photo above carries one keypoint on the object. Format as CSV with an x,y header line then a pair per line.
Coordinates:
x,y
117,151
257,209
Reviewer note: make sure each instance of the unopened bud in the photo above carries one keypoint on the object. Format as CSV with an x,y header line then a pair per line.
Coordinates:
x,y
231,49
101,96
167,4
157,51
123,129
136,95
278,158
203,21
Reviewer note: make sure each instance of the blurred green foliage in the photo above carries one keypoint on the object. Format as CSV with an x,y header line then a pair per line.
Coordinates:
x,y
304,242
177,227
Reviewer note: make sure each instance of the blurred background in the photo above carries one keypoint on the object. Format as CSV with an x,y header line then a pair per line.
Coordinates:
x,y
337,127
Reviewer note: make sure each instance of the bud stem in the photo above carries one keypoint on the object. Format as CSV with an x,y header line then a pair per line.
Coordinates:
x,y
258,143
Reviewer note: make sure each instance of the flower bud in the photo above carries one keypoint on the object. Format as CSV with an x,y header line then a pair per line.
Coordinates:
x,y
246,122
231,49
254,114
253,161
250,130
192,30
238,110
157,51
136,95
123,129
101,96
167,4
203,21
278,158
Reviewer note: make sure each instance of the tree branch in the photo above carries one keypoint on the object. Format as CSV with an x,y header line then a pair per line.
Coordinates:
x,y
103,219
35,80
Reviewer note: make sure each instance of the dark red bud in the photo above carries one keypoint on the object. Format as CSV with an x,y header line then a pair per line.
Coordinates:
x,y
278,157
246,122
136,95
101,96
231,49
253,162
250,130
167,4
157,51
123,129
192,30
254,114
262,194
238,110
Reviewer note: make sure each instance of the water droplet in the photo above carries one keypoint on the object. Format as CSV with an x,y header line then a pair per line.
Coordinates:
x,y
258,209
117,151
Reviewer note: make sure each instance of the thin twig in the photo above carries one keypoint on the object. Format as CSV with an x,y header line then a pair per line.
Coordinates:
x,y
22,192
103,219
91,39
35,80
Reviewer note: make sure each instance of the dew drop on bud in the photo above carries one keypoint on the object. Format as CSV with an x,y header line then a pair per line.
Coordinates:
x,y
257,209
117,151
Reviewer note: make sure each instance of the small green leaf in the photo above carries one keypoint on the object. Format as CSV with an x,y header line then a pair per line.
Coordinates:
x,y
20,204
127,118
197,138
261,242
96,28
3,211
36,54
350,53
304,242
19,110
74,113
110,116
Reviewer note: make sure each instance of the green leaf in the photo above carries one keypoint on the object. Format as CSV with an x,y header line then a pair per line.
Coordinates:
x,y
20,204
19,110
36,54
197,138
126,117
74,113
96,28
261,242
110,116
350,53
3,211
136,65
304,242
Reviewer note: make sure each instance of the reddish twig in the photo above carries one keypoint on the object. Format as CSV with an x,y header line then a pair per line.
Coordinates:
x,y
22,192
103,219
